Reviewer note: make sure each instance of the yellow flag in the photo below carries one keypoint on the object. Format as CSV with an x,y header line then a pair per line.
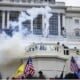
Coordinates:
x,y
19,71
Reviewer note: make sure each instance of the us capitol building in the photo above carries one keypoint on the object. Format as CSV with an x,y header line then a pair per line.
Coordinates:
x,y
61,42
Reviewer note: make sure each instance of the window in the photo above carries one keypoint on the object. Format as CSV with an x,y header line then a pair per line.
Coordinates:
x,y
23,0
69,17
15,0
76,21
29,1
37,25
14,15
69,21
26,24
53,24
77,33
51,1
1,0
45,0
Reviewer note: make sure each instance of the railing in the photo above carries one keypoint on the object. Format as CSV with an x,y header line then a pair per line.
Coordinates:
x,y
72,37
48,49
42,47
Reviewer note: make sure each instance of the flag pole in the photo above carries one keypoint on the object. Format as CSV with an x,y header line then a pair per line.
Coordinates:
x,y
61,76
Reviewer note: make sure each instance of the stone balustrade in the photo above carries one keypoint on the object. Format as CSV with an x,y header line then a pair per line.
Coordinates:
x,y
48,48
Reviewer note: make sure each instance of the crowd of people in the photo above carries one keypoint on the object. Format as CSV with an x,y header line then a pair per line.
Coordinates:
x,y
43,77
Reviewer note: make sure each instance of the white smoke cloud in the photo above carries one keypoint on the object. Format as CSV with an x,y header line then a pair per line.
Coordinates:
x,y
14,47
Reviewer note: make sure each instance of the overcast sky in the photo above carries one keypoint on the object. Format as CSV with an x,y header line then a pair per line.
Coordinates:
x,y
71,2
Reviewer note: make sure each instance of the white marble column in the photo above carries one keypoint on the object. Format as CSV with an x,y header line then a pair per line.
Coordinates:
x,y
59,26
8,19
3,19
32,25
63,23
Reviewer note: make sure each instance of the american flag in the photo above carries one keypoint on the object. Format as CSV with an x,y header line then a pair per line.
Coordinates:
x,y
73,65
29,69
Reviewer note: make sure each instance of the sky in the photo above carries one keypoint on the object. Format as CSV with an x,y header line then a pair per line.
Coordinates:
x,y
71,2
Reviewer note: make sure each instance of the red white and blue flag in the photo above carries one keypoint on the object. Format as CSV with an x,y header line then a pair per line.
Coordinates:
x,y
74,66
29,69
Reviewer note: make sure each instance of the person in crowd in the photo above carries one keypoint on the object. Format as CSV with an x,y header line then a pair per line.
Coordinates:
x,y
22,77
0,76
42,47
41,76
78,73
71,76
56,77
7,78
66,49
13,78
57,46
29,76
